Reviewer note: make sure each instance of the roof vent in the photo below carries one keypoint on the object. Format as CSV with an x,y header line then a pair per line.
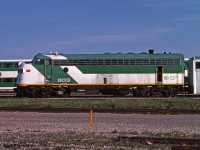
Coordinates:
x,y
119,53
151,51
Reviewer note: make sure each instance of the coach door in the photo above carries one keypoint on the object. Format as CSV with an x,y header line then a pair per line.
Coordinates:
x,y
197,77
159,73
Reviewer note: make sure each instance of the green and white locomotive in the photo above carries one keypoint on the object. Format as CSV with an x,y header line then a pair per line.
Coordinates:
x,y
144,74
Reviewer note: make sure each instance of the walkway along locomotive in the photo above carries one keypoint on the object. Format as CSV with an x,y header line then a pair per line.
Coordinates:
x,y
144,74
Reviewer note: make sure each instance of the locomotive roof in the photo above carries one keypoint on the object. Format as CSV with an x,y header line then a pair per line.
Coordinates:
x,y
111,56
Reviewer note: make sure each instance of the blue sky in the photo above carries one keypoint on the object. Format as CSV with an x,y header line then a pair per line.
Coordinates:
x,y
28,27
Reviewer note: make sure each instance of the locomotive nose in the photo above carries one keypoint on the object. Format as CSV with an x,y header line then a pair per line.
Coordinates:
x,y
29,75
24,74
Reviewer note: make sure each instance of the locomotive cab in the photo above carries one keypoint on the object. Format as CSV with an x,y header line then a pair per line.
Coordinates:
x,y
35,79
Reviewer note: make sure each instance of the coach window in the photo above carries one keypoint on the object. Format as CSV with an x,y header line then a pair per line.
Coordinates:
x,y
197,65
7,80
0,65
8,65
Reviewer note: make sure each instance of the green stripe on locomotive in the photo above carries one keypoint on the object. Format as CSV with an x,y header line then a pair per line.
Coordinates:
x,y
127,68
53,72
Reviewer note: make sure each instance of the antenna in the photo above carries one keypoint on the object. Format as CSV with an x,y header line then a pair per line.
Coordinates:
x,y
56,53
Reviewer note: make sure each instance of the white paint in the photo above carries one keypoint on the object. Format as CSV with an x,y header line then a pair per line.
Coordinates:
x,y
8,74
173,78
32,77
197,81
81,78
16,60
6,88
56,57
196,77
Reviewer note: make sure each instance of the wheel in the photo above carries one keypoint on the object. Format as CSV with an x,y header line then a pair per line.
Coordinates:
x,y
148,94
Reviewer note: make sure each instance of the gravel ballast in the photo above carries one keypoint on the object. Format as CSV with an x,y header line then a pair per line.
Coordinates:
x,y
24,130
102,123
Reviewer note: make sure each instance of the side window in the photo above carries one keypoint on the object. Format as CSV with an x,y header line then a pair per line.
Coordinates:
x,y
197,65
40,62
7,80
7,65
16,65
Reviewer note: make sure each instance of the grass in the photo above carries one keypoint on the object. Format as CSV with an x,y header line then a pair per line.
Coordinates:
x,y
173,103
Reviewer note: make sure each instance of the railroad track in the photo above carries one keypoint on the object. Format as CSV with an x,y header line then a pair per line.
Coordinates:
x,y
98,110
7,94
75,96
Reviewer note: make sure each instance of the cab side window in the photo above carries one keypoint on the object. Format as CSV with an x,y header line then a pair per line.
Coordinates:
x,y
39,62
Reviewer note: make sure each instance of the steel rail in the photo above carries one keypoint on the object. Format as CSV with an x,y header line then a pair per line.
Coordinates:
x,y
12,95
99,110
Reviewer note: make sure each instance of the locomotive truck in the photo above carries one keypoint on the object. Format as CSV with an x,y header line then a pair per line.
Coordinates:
x,y
143,74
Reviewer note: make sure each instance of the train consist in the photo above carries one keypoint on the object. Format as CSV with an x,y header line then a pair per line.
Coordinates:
x,y
144,74
8,74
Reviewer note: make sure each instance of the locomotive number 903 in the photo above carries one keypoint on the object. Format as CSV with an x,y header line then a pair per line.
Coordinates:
x,y
63,80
